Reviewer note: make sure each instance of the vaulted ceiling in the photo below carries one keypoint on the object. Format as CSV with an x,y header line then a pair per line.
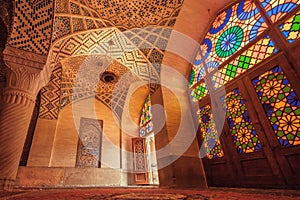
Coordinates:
x,y
134,33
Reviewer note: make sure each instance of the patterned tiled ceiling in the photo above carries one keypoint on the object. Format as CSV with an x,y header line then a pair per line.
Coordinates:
x,y
137,13
94,44
74,88
81,27
73,16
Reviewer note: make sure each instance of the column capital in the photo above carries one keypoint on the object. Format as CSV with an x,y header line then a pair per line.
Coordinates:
x,y
14,58
24,75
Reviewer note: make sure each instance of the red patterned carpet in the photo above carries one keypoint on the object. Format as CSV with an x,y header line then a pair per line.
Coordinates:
x,y
159,194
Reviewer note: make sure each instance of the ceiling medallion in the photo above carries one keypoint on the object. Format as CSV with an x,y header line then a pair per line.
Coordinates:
x,y
108,77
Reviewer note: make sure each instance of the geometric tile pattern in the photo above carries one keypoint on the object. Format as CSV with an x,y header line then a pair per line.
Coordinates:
x,y
129,14
32,26
70,38
109,42
49,106
121,14
74,16
152,41
88,19
291,28
74,89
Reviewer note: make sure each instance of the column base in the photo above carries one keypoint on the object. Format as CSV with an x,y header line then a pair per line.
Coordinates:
x,y
6,184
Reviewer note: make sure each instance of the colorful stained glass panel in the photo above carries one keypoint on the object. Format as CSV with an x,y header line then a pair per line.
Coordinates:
x,y
252,56
146,125
241,127
232,30
146,115
281,105
199,92
276,9
209,133
291,28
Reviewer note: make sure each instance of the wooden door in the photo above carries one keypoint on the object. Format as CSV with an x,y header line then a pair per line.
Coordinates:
x,y
217,164
263,100
247,157
276,96
140,171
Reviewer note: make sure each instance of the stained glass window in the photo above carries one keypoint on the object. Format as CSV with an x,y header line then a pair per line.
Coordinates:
x,y
192,76
276,9
209,133
238,39
291,28
281,105
146,115
146,125
252,56
241,127
199,92
231,30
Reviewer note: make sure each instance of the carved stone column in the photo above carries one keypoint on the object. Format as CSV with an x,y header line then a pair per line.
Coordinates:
x,y
24,80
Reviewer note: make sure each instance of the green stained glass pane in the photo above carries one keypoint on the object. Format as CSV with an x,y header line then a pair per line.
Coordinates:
x,y
241,63
230,31
199,92
291,28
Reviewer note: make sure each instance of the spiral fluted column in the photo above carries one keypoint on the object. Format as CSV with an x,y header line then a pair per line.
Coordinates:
x,y
24,80
16,110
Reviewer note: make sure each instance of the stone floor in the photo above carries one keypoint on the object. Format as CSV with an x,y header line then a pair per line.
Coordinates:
x,y
139,193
